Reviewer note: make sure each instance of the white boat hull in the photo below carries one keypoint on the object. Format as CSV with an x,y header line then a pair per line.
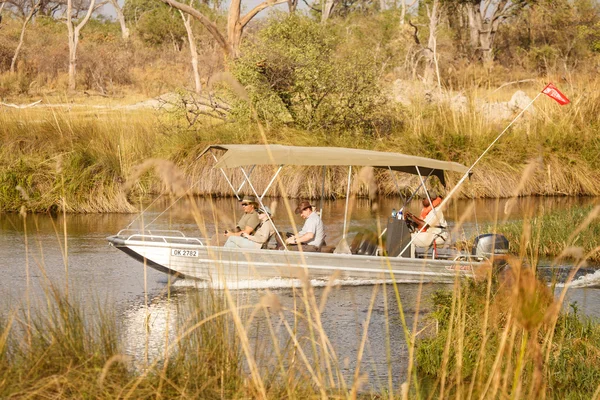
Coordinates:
x,y
189,258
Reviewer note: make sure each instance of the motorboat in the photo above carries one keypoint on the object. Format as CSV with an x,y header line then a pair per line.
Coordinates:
x,y
364,258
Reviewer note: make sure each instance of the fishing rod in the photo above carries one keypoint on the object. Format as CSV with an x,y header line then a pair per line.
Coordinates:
x,y
551,91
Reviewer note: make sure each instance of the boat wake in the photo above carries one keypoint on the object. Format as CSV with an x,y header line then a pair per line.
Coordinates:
x,y
587,280
279,283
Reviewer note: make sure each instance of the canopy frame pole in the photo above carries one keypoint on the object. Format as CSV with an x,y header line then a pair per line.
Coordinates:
x,y
225,176
468,173
347,201
413,236
416,190
247,178
324,168
397,185
244,181
271,182
426,192
423,183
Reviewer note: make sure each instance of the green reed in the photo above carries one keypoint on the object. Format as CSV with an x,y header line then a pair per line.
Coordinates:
x,y
556,234
508,340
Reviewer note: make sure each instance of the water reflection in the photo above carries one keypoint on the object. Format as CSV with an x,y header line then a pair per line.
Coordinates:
x,y
98,273
347,319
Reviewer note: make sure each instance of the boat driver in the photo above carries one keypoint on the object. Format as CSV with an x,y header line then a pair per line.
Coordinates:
x,y
310,238
431,226
249,221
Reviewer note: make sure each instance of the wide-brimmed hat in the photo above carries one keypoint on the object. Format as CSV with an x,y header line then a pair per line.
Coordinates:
x,y
264,209
249,200
302,206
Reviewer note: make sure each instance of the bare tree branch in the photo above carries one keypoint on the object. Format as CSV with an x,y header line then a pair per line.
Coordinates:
x,y
252,13
208,24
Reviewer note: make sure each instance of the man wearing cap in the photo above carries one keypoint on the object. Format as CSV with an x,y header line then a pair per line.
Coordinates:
x,y
249,221
261,237
310,238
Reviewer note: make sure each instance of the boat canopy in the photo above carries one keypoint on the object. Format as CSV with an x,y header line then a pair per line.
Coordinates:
x,y
239,155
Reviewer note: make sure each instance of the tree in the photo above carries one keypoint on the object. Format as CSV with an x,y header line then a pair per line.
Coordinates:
x,y
327,9
313,76
32,12
121,19
485,16
403,8
431,64
155,22
187,22
230,43
73,35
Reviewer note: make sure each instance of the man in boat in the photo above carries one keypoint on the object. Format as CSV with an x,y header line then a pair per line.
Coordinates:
x,y
263,233
431,220
249,221
312,235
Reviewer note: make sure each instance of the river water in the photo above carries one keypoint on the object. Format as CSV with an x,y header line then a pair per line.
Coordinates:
x,y
33,252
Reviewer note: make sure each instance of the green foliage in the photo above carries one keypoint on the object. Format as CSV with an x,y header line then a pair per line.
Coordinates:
x,y
555,231
460,350
155,22
301,72
559,33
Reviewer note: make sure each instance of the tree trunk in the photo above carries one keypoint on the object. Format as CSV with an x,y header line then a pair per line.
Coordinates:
x,y
403,12
233,30
193,50
73,35
72,46
474,16
327,10
210,26
13,62
235,22
292,5
121,19
431,51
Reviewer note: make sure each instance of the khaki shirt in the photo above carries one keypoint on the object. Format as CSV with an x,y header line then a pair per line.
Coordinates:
x,y
263,233
249,219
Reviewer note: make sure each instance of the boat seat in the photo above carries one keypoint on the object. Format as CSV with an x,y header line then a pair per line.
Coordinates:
x,y
368,245
356,242
265,245
327,249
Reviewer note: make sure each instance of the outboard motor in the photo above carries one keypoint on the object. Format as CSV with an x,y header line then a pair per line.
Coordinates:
x,y
489,246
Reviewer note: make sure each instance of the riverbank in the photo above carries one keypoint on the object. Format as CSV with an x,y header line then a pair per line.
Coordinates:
x,y
86,157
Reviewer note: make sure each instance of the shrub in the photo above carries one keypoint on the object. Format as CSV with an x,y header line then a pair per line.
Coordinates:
x,y
301,72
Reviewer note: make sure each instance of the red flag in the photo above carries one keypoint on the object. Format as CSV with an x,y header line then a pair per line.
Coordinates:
x,y
552,91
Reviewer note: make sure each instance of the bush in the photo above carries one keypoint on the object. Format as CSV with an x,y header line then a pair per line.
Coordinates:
x,y
300,72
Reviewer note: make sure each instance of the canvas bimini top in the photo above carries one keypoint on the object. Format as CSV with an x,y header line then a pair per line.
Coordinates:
x,y
239,155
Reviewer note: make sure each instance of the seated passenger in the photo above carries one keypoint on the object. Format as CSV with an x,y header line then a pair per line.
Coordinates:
x,y
432,222
310,238
249,221
260,238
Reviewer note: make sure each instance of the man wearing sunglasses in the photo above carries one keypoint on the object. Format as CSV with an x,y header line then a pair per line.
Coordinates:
x,y
249,221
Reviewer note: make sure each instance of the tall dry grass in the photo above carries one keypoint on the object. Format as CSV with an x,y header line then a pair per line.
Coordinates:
x,y
496,337
94,152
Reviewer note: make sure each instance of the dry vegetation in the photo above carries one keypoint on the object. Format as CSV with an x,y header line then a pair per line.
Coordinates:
x,y
500,336
86,157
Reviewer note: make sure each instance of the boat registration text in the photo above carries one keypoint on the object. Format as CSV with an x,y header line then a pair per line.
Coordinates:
x,y
184,253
